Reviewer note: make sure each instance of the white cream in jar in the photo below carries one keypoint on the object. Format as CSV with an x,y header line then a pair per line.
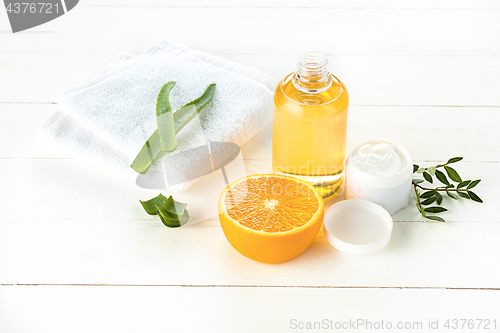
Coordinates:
x,y
378,159
380,171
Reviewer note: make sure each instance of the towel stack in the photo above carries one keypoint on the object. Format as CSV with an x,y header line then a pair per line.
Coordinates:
x,y
108,119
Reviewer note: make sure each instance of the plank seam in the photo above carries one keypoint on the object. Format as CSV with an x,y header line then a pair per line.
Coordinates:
x,y
284,7
279,54
237,286
356,105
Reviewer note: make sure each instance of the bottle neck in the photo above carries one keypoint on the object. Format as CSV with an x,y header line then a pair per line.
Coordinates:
x,y
312,75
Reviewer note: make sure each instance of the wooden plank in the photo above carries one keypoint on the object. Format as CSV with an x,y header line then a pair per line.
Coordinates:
x,y
26,309
144,252
371,80
268,30
451,132
63,222
51,180
44,76
367,4
429,133
18,130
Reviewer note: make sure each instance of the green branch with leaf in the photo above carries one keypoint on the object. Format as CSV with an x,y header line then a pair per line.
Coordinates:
x,y
427,196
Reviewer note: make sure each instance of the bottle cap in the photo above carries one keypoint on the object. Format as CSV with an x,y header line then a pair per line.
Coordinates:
x,y
357,226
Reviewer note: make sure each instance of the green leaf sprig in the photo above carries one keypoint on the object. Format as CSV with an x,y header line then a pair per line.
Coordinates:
x,y
169,124
433,195
172,213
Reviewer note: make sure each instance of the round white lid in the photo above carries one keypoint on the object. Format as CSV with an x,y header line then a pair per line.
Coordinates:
x,y
357,226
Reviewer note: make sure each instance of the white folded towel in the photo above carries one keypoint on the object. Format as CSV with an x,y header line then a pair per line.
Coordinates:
x,y
109,119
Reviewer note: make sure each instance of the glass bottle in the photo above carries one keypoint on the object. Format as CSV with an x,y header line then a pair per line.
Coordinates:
x,y
309,125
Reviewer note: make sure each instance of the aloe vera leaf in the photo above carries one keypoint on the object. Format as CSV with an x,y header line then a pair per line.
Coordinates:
x,y
166,219
186,113
148,154
165,118
151,150
184,218
174,207
150,205
172,221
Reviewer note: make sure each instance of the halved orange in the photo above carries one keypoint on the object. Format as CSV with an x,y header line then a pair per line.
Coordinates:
x,y
270,218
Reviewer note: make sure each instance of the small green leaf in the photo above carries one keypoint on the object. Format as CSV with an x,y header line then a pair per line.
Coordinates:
x,y
453,174
150,205
428,201
415,168
452,195
174,207
464,183
454,160
421,170
418,181
435,218
439,198
442,178
463,195
427,177
428,194
475,197
431,170
435,209
473,184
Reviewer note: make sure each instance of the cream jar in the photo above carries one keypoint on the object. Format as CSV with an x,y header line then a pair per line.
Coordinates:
x,y
379,171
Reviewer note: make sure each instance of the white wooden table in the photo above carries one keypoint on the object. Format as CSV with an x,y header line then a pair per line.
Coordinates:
x,y
78,253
